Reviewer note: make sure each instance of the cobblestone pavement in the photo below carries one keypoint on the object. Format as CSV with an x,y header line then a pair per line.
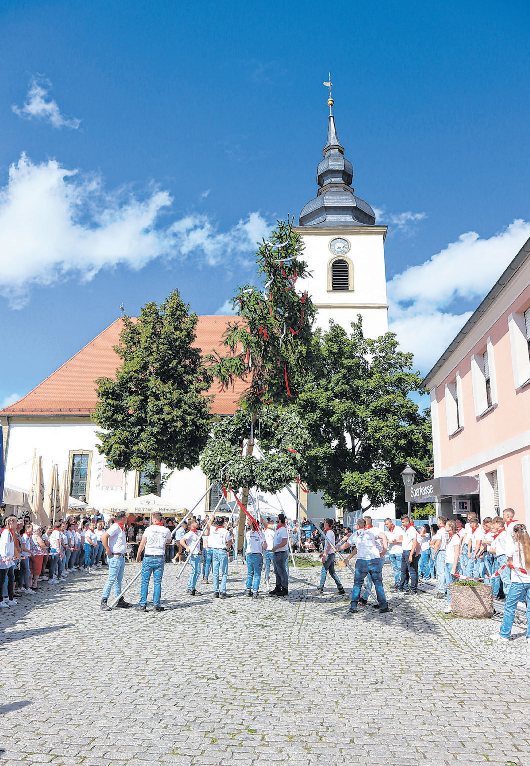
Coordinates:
x,y
243,682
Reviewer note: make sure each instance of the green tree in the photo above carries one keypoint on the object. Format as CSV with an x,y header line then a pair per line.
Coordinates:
x,y
156,410
269,347
364,427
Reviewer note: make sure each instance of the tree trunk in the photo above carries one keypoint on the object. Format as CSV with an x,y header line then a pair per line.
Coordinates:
x,y
244,493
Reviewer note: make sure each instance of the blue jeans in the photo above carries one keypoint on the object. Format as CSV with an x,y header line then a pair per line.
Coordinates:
x,y
449,578
281,563
269,559
425,564
151,565
519,591
220,562
195,566
115,576
67,555
88,556
409,568
24,572
99,553
254,567
373,567
478,568
463,561
56,564
395,560
503,577
329,566
207,562
441,571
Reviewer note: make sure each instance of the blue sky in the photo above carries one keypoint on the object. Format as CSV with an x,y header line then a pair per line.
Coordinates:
x,y
146,145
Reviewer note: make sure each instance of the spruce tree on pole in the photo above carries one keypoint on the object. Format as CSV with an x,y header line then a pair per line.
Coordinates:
x,y
270,344
156,410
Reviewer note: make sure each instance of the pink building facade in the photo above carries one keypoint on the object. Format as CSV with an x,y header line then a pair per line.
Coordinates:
x,y
480,400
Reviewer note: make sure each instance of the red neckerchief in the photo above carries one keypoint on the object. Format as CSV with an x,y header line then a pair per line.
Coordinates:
x,y
121,526
218,528
370,527
392,528
451,534
511,521
157,524
474,530
498,533
279,526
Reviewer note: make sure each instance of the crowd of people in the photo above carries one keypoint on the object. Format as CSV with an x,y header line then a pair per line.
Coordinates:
x,y
495,551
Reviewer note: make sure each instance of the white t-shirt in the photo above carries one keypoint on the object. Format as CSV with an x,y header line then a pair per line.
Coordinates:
x,y
55,540
509,527
179,534
499,542
409,535
330,537
26,546
281,538
7,548
77,539
442,536
269,537
450,551
90,537
218,538
512,551
476,537
117,541
392,535
156,536
366,541
99,534
488,537
192,540
255,541
425,542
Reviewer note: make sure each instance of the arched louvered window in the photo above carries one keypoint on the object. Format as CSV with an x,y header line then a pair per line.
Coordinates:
x,y
340,275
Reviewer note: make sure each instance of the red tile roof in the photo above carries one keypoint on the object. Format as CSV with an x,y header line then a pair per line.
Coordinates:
x,y
70,390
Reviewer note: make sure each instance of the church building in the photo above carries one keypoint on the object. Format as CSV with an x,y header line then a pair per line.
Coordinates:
x,y
344,249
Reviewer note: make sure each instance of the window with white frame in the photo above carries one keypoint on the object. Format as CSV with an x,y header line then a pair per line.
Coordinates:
x,y
483,379
453,406
519,328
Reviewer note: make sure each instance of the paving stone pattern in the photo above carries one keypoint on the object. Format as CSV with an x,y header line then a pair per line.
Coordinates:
x,y
244,682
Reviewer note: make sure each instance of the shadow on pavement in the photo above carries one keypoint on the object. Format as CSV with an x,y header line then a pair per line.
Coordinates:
x,y
17,635
14,706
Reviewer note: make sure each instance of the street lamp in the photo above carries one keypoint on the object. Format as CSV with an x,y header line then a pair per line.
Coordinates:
x,y
408,480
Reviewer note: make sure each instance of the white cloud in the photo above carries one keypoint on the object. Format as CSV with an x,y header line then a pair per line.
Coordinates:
x,y
402,222
466,269
39,105
204,194
10,399
56,224
226,309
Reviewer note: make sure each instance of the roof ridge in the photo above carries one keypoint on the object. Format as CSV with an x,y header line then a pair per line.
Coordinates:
x,y
6,409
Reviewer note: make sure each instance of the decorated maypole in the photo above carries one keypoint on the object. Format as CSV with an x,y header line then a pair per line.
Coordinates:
x,y
270,345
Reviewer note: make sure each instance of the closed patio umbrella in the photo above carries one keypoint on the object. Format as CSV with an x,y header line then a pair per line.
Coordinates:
x,y
52,504
36,492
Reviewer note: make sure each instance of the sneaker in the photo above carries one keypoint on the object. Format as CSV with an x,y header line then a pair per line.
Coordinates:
x,y
30,592
43,577
320,590
498,637
440,595
159,609
223,595
375,606
98,566
22,590
104,606
54,581
256,595
216,594
447,609
4,604
13,602
352,610
122,604
341,592
141,608
205,579
249,592
363,601
385,609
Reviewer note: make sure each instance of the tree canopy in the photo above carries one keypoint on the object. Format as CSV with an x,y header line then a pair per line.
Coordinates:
x,y
363,425
156,410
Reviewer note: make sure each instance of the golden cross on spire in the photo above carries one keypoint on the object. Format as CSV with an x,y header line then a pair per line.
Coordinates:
x,y
329,85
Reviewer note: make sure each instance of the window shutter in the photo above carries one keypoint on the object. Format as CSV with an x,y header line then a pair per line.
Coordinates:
x,y
527,324
340,275
215,495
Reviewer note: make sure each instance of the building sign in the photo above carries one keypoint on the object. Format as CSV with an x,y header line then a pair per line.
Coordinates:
x,y
444,486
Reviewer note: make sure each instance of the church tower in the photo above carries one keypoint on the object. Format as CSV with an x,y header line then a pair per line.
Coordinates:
x,y
344,249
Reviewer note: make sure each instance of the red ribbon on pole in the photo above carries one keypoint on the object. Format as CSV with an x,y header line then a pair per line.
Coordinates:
x,y
242,507
287,382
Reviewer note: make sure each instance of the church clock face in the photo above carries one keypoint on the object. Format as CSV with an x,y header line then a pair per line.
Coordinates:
x,y
339,246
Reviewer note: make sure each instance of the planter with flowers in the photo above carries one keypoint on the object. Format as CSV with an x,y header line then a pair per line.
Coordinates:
x,y
470,598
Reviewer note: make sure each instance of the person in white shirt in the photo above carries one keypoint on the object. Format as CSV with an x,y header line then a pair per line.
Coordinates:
x,y
509,519
370,546
479,547
8,556
438,554
206,553
256,544
498,549
153,546
465,564
219,540
410,557
115,545
178,534
98,555
56,553
191,542
424,569
518,552
474,544
269,555
452,554
280,550
395,549
328,559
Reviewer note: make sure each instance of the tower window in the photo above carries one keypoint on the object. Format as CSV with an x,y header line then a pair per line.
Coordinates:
x,y
340,275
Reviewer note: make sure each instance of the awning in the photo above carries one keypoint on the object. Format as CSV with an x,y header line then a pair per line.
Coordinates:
x,y
444,486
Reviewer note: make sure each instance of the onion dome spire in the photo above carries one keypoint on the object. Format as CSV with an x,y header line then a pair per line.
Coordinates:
x,y
335,204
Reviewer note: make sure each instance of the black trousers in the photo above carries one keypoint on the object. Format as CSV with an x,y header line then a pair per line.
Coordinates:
x,y
410,568
10,581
